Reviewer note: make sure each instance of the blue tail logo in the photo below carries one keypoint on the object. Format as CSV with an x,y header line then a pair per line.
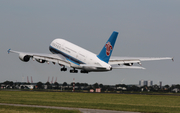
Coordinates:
x,y
106,52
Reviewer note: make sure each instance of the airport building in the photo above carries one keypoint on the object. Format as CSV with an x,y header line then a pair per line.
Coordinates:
x,y
145,83
141,83
149,83
160,84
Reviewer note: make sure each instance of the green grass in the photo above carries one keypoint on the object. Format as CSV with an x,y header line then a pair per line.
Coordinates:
x,y
121,102
17,109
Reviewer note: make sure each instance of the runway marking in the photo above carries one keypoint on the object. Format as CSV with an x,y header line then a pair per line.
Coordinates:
x,y
83,110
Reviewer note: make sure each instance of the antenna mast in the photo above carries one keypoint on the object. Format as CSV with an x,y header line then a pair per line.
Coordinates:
x,y
52,80
27,79
31,80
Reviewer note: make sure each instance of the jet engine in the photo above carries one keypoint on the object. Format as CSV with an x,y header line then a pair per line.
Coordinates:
x,y
128,64
24,57
40,60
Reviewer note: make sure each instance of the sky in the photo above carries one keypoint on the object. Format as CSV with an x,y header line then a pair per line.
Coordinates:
x,y
148,28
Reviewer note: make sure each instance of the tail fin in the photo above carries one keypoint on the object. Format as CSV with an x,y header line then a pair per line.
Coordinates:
x,y
106,52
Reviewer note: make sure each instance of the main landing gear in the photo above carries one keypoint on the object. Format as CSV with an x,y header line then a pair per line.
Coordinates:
x,y
64,69
73,71
83,71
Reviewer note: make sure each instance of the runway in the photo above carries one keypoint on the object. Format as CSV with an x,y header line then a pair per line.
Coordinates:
x,y
83,110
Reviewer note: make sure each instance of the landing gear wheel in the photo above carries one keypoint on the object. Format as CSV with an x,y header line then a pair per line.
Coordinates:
x,y
63,69
76,71
83,71
73,71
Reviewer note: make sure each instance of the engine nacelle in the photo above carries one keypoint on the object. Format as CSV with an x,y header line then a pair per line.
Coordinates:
x,y
40,60
128,64
24,57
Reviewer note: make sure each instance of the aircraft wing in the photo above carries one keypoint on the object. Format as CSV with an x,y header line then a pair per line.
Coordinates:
x,y
55,58
126,67
128,61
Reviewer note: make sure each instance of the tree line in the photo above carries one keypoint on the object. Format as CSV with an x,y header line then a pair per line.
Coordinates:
x,y
86,86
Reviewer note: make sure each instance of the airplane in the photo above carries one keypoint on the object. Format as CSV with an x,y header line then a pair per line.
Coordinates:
x,y
67,54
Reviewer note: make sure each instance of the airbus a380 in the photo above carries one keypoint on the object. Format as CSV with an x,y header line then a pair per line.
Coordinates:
x,y
67,54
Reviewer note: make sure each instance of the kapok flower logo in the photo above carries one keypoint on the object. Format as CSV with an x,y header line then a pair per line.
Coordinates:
x,y
108,47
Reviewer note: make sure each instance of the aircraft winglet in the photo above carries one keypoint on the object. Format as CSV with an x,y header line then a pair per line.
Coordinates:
x,y
9,50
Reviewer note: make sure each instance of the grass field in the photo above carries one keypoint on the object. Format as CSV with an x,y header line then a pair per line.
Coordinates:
x,y
120,102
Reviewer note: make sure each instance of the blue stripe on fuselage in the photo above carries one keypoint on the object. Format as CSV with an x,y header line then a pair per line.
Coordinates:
x,y
68,57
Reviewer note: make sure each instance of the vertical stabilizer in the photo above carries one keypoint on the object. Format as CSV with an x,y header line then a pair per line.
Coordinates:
x,y
106,52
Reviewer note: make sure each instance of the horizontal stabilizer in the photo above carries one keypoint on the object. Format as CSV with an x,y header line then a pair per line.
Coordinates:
x,y
126,60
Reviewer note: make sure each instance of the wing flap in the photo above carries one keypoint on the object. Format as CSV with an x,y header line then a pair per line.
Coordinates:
x,y
127,67
53,59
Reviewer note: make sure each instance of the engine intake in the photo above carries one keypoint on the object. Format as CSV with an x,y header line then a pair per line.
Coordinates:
x,y
24,57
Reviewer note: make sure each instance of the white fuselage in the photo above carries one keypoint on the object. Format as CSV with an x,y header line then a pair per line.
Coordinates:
x,y
78,57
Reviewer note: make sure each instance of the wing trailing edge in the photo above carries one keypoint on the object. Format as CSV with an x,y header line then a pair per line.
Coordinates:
x,y
127,67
